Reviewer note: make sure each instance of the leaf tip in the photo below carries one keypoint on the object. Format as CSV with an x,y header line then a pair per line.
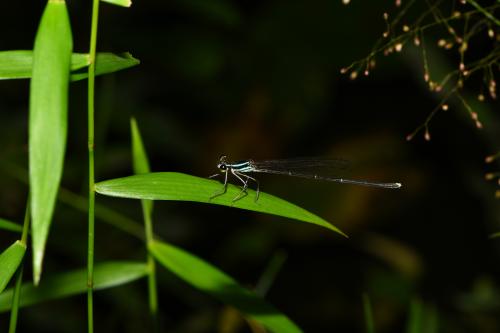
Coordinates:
x,y
37,267
337,230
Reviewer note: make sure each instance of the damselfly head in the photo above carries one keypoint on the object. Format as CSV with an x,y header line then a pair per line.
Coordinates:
x,y
222,165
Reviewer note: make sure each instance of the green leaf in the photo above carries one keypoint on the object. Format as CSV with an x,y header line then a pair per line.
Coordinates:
x,y
8,225
422,318
368,312
106,275
182,187
209,279
108,63
494,235
140,161
18,64
121,3
10,259
48,121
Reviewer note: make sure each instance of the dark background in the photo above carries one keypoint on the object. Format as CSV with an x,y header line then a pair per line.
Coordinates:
x,y
262,80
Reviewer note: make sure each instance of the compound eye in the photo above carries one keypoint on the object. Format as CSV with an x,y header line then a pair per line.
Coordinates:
x,y
222,166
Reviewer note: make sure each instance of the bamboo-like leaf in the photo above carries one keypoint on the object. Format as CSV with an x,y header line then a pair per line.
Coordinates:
x,y
106,275
141,165
182,187
18,64
10,259
48,121
108,63
140,160
8,225
216,283
121,3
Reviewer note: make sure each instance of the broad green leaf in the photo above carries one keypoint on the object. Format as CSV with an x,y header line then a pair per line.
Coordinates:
x,y
106,275
10,259
182,187
140,161
108,63
216,283
18,64
121,3
48,121
8,225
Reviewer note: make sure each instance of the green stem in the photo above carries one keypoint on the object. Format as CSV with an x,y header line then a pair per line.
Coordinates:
x,y
19,276
91,221
152,289
484,11
15,299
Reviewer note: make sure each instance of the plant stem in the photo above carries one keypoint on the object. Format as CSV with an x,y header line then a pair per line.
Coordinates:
x,y
91,221
19,276
153,299
484,11
15,299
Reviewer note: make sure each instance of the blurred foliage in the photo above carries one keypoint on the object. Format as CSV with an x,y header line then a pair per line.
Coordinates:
x,y
262,80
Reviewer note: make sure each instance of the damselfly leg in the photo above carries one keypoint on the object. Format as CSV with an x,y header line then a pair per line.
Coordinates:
x,y
243,178
224,187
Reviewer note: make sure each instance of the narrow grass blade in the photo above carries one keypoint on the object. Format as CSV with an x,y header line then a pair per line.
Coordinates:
x,y
269,275
141,166
8,225
368,313
48,120
182,187
108,63
140,160
216,283
106,275
423,318
10,259
415,319
121,3
18,64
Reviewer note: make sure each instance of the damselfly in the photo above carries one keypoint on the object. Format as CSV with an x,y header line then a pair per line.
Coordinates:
x,y
299,167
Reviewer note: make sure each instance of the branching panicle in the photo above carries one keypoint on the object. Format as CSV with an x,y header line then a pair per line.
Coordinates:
x,y
462,22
